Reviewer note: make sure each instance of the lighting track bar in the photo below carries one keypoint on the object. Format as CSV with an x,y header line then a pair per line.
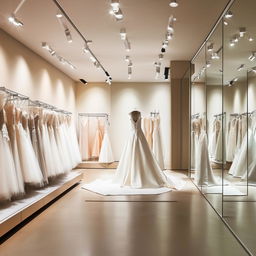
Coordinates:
x,y
81,35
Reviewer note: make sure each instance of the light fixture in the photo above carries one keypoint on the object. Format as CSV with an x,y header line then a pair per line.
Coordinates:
x,y
174,3
92,59
86,48
157,64
236,38
250,39
210,47
235,79
160,56
166,73
165,44
119,15
115,5
127,58
129,72
170,24
254,69
240,67
229,15
13,20
123,33
130,63
232,43
225,22
208,64
127,45
83,81
252,56
215,56
59,15
169,36
242,31
68,35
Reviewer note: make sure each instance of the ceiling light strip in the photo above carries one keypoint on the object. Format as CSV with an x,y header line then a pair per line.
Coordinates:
x,y
81,35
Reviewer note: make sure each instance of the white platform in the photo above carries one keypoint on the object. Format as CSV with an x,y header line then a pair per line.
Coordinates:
x,y
13,213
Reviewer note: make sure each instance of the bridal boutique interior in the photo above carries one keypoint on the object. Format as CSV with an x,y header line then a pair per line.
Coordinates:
x,y
127,127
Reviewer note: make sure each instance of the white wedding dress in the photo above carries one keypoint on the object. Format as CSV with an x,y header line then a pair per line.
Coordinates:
x,y
106,153
138,168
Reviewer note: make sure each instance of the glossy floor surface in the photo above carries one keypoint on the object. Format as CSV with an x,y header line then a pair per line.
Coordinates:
x,y
82,223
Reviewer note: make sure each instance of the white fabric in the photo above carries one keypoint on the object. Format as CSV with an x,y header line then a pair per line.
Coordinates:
x,y
232,139
138,168
157,143
203,171
106,153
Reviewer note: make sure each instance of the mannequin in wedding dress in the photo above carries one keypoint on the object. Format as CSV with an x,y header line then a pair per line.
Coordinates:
x,y
137,167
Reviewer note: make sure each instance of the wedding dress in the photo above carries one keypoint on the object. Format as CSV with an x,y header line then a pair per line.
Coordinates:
x,y
232,139
138,168
84,138
204,174
97,141
157,143
106,154
148,128
30,167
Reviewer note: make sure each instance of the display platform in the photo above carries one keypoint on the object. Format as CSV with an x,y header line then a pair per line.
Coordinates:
x,y
96,165
13,213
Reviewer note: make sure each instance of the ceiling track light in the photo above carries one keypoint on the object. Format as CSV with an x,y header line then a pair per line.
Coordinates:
x,y
123,33
210,47
13,19
232,42
242,31
127,58
160,56
253,70
252,56
59,58
169,36
68,35
83,81
229,15
250,39
174,4
115,5
127,45
171,21
215,56
208,64
225,22
241,67
81,35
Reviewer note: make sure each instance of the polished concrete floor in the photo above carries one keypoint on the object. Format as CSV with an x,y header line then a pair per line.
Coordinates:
x,y
82,223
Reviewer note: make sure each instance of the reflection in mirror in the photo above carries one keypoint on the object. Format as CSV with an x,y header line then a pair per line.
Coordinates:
x,y
239,99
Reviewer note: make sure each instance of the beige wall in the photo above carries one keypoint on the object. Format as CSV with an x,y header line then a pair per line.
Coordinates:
x,y
121,98
25,72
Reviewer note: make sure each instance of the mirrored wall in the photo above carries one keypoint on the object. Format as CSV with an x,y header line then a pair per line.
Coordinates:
x,y
223,120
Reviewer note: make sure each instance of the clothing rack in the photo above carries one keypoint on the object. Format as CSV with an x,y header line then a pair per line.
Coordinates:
x,y
17,95
154,114
195,115
95,115
218,115
14,94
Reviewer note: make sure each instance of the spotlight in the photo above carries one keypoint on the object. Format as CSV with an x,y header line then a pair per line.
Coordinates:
x,y
83,81
242,31
59,15
115,5
232,42
165,44
130,63
252,56
225,22
169,35
250,39
240,67
166,73
127,45
160,56
119,15
123,33
210,47
215,56
127,58
174,3
254,69
92,59
68,35
229,15
13,20
208,64
163,50
86,48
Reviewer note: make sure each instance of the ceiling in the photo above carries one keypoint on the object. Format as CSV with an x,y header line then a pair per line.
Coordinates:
x,y
233,56
145,22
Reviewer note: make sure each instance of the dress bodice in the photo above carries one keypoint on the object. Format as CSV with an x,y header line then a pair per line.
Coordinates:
x,y
135,120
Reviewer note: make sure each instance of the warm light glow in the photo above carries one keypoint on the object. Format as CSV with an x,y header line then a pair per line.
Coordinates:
x,y
174,3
